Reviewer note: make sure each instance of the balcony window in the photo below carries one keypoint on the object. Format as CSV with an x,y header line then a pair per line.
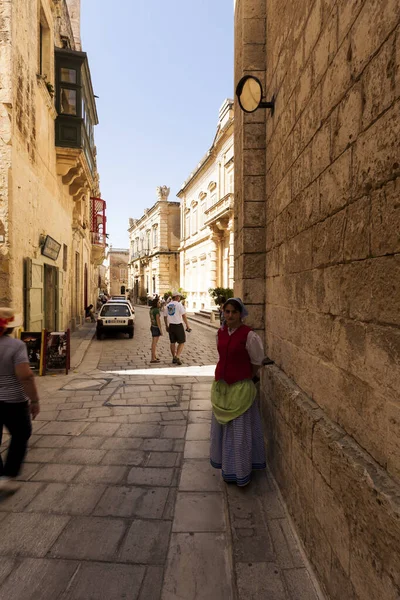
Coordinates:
x,y
68,101
75,103
155,237
68,75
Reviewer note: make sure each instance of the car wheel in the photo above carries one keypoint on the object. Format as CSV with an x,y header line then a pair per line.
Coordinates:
x,y
131,333
99,335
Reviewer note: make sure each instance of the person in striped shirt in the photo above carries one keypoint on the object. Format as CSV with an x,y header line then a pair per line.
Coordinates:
x,y
19,401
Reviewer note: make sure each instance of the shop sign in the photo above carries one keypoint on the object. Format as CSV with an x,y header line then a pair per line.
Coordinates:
x,y
51,248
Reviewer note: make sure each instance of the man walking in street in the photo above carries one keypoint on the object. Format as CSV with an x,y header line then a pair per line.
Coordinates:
x,y
174,317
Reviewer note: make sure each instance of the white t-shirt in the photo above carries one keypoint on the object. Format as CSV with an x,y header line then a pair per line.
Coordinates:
x,y
174,311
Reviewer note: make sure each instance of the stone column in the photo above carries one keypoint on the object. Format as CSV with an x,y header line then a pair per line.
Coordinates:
x,y
231,230
250,165
214,243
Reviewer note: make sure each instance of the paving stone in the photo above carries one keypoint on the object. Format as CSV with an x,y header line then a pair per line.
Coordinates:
x,y
198,567
47,415
80,456
18,501
172,416
162,459
60,498
101,474
152,584
170,504
200,417
69,406
28,469
149,418
199,476
146,542
197,449
173,431
140,430
52,441
102,581
159,445
114,443
41,455
63,428
35,579
55,472
150,476
195,511
198,432
200,405
30,534
89,538
102,429
148,503
76,415
259,580
6,566
84,441
123,457
153,409
299,584
286,549
179,445
103,411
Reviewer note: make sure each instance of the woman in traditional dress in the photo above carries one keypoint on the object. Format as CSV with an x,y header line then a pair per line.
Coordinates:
x,y
237,445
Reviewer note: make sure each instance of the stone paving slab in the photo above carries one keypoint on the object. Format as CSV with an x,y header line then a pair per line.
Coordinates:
x,y
25,534
128,501
105,581
35,579
198,568
89,538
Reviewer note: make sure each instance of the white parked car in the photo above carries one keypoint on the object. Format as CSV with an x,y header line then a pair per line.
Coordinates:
x,y
115,317
122,301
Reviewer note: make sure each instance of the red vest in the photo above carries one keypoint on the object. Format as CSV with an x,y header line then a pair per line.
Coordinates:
x,y
234,361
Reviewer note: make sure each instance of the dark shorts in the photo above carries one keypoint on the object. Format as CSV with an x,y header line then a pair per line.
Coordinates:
x,y
176,333
155,331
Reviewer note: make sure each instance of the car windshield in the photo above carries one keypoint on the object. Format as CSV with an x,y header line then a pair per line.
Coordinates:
x,y
115,310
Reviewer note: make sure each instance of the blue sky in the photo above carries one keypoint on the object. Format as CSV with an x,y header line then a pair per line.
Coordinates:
x,y
161,70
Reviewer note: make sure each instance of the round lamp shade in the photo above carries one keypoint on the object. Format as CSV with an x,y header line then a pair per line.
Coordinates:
x,y
249,92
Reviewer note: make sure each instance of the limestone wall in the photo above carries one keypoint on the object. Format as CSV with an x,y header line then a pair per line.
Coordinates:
x,y
317,253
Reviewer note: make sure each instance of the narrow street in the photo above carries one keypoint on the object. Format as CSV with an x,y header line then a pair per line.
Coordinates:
x,y
118,499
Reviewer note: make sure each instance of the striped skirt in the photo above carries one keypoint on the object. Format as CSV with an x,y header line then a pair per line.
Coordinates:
x,y
238,447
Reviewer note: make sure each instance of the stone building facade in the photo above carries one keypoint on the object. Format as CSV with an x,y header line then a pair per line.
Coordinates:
x,y
207,238
317,258
48,173
116,271
153,250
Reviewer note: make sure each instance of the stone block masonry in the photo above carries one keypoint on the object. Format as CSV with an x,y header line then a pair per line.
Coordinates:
x,y
325,170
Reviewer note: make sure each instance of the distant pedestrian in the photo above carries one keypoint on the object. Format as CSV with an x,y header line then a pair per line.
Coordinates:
x,y
19,399
237,444
155,328
220,303
89,313
174,317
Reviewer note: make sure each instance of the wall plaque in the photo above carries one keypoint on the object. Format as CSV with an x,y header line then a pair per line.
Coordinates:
x,y
51,248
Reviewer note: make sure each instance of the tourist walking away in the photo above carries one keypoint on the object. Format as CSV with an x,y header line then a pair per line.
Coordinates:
x,y
174,317
18,399
237,445
155,328
220,303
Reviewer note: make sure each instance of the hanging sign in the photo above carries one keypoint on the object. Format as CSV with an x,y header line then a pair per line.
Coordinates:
x,y
34,345
56,351
51,248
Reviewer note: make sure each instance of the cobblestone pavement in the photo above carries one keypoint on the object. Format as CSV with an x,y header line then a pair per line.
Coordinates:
x,y
118,500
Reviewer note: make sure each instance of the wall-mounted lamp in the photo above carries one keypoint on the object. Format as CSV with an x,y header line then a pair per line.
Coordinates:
x,y
250,93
